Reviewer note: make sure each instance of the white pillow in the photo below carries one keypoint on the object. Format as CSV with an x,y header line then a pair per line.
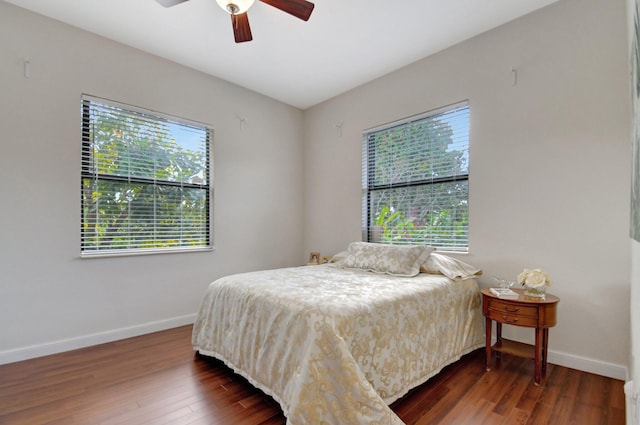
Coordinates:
x,y
395,260
339,257
451,267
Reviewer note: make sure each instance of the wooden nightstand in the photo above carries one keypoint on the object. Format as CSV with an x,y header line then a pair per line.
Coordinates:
x,y
524,311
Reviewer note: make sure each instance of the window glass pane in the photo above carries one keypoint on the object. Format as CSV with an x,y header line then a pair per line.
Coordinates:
x,y
128,143
435,215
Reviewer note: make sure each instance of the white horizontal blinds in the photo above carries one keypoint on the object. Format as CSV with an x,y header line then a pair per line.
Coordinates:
x,y
415,180
145,180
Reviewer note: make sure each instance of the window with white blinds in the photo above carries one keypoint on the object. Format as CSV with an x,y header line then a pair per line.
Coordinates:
x,y
145,181
416,180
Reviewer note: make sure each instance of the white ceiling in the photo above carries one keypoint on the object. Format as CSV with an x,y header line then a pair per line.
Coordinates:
x,y
343,45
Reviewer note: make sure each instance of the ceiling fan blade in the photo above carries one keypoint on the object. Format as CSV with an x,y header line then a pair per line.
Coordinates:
x,y
169,3
299,8
241,28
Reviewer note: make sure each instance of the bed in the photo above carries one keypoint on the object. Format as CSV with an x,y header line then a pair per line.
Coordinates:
x,y
335,344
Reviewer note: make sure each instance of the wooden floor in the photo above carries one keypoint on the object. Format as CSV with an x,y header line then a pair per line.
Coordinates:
x,y
156,379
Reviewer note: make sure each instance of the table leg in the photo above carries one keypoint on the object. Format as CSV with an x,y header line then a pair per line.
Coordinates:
x,y
538,355
545,347
488,343
498,338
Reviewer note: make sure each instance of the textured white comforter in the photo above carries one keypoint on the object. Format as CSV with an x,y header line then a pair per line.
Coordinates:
x,y
336,346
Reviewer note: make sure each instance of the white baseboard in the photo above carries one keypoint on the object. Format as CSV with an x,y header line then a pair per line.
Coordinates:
x,y
30,352
584,364
597,367
632,404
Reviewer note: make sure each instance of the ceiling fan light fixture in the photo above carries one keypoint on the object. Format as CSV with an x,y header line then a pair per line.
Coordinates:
x,y
235,7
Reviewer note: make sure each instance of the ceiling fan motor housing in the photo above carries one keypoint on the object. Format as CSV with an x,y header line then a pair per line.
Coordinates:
x,y
235,7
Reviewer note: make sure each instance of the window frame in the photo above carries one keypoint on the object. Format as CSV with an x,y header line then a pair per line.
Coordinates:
x,y
87,173
368,173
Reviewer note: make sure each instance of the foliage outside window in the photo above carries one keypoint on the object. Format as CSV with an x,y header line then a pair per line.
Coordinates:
x,y
415,180
145,183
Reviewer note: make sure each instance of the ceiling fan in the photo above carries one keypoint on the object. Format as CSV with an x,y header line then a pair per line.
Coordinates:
x,y
238,10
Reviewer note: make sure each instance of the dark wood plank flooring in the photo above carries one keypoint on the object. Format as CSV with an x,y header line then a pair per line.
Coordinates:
x,y
156,379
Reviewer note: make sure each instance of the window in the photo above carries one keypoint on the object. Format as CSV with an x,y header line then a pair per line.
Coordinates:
x,y
145,181
415,180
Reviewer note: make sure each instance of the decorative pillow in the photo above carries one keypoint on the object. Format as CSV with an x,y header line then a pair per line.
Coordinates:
x,y
396,260
451,267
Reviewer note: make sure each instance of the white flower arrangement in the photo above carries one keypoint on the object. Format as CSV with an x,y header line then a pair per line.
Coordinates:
x,y
534,278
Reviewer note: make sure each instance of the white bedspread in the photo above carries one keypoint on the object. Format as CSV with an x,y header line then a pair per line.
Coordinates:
x,y
336,346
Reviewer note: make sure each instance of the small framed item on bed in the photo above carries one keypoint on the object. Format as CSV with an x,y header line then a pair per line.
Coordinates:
x,y
337,343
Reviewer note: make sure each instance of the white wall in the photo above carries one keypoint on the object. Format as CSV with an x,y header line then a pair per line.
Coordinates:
x,y
549,162
633,386
50,299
